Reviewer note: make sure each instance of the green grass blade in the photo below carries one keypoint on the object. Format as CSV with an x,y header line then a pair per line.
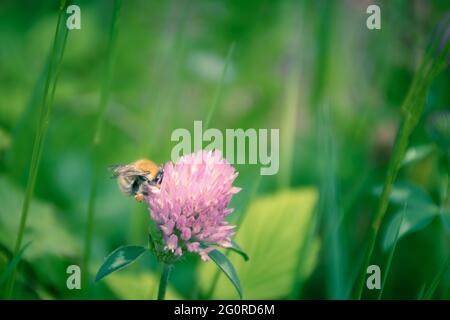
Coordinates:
x,y
219,89
412,108
421,292
106,84
391,255
43,122
329,206
288,123
437,280
103,104
13,264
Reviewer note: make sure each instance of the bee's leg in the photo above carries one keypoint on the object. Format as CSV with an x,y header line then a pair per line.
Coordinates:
x,y
139,197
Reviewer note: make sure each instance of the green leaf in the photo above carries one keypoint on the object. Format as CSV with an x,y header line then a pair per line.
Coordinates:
x,y
119,259
227,267
272,233
236,248
416,218
416,153
13,264
404,191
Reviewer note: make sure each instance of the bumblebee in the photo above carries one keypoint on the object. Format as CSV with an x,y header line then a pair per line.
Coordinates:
x,y
133,178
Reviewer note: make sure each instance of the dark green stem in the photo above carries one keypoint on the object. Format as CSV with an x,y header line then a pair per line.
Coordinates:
x,y
167,268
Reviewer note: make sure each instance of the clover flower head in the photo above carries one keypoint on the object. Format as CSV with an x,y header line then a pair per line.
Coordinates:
x,y
192,201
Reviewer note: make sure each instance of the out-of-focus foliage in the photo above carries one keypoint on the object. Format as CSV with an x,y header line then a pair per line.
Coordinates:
x,y
310,68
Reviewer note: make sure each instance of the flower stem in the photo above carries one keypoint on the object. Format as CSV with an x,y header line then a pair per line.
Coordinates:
x,y
167,268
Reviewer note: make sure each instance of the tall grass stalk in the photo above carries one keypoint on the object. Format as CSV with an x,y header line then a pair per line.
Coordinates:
x,y
293,20
412,110
96,142
437,280
387,269
421,292
218,94
304,253
46,107
329,206
288,124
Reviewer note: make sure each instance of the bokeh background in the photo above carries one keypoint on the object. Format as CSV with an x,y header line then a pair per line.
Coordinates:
x,y
310,68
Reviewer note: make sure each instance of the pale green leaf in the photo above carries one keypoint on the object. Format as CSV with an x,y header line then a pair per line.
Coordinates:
x,y
415,219
272,234
417,153
404,191
12,264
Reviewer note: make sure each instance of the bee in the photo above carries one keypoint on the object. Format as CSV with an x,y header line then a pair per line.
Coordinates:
x,y
134,177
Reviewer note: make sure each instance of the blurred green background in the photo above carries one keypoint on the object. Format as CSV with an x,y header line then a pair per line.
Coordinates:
x,y
310,68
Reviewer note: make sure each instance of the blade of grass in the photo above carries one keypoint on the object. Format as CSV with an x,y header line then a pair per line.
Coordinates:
x,y
421,292
437,280
330,206
43,122
391,254
218,94
288,123
305,250
412,109
13,264
293,20
103,104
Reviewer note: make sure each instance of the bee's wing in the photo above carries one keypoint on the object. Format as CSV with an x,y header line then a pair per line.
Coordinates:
x,y
124,170
116,169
